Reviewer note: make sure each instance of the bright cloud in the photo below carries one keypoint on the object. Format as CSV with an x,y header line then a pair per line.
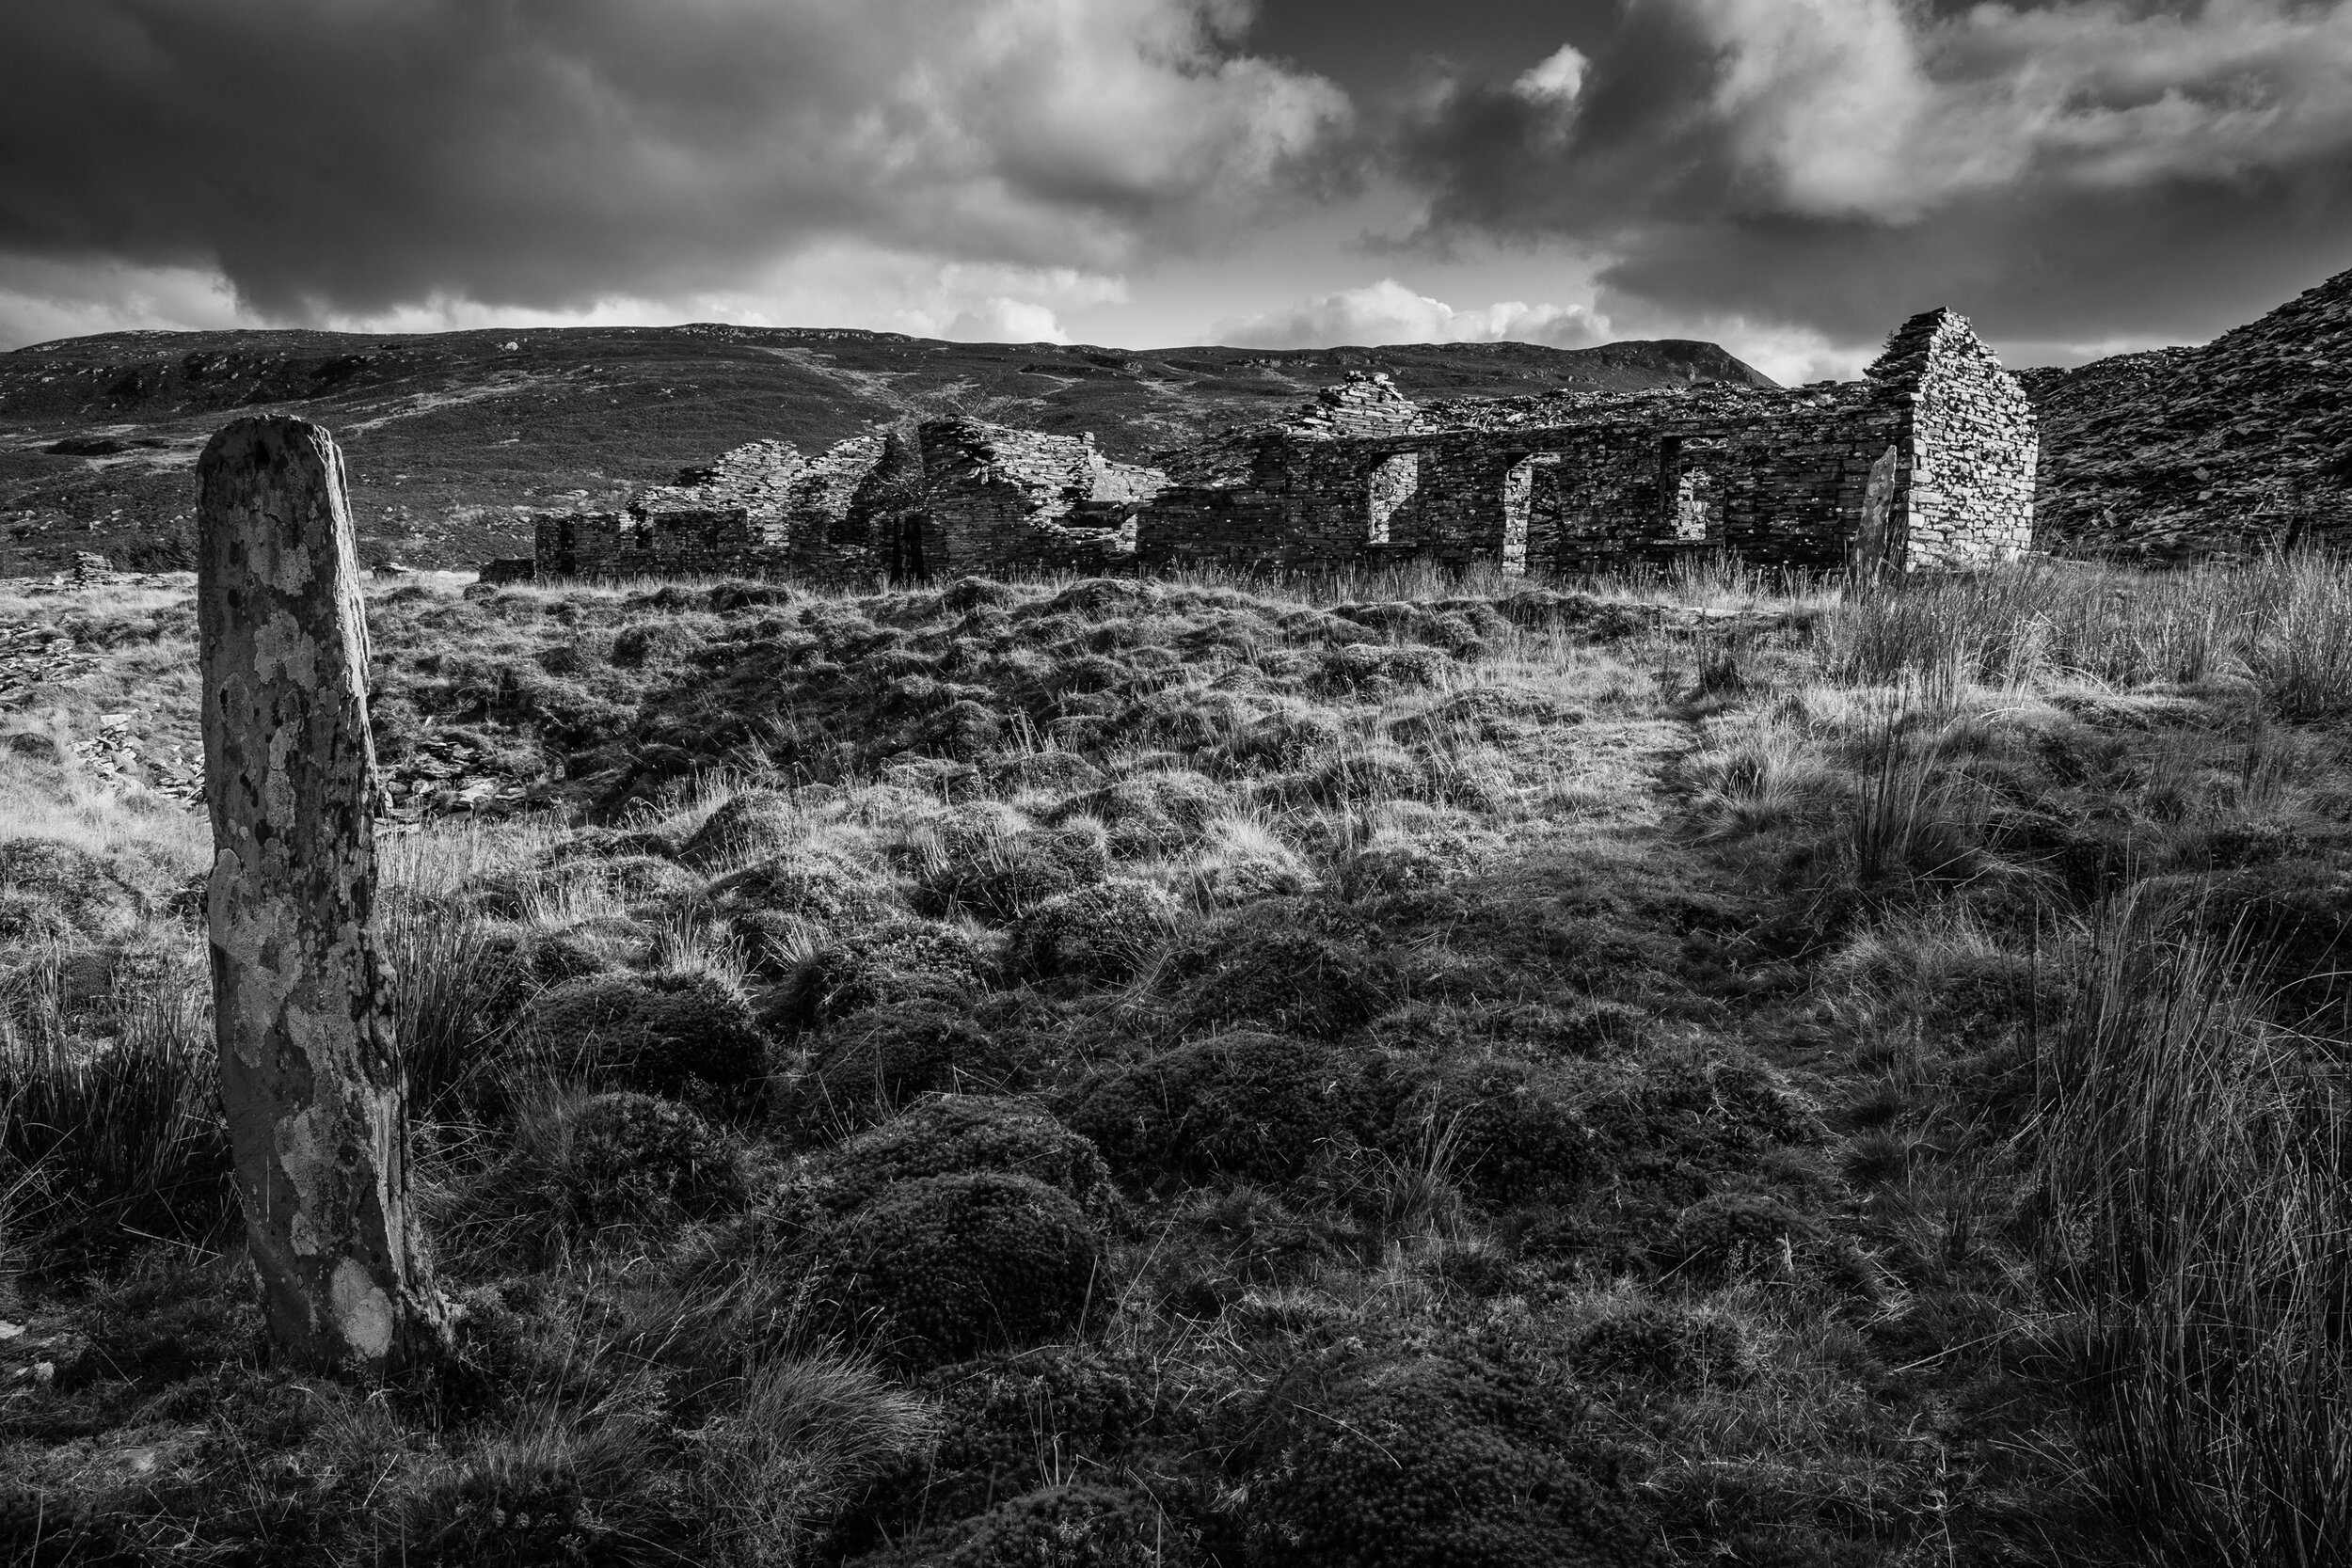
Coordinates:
x,y
2079,170
1389,313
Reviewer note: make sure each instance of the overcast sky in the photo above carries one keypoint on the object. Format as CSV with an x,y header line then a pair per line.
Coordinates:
x,y
1787,177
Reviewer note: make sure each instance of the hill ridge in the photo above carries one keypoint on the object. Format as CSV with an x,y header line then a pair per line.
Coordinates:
x,y
451,438
2224,449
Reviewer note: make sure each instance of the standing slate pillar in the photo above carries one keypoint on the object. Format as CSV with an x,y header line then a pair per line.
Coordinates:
x,y
310,1078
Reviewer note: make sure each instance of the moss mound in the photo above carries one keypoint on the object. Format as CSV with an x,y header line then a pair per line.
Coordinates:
x,y
1283,739
1728,1236
1100,1405
1080,1524
50,889
899,960
745,825
1514,1126
1264,1107
637,879
653,642
634,1159
1705,1107
1287,964
1064,772
1104,933
807,885
953,1135
1670,1345
877,1060
1371,669
955,1264
1154,814
569,1496
1436,1463
1000,878
665,1033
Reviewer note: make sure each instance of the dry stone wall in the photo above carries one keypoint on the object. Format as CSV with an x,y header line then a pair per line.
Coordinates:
x,y
1000,498
1973,445
1927,462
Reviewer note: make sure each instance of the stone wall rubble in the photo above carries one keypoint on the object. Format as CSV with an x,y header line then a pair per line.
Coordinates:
x,y
1928,462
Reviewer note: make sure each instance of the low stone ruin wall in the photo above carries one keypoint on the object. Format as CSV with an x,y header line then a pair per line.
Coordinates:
x,y
1927,462
677,543
1776,485
997,499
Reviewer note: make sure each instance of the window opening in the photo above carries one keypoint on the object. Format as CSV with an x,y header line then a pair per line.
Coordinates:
x,y
1394,481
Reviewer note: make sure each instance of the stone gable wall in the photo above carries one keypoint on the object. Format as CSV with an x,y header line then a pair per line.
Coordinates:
x,y
1973,447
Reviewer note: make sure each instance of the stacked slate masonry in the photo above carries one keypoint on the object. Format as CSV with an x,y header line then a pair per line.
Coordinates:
x,y
944,498
1926,464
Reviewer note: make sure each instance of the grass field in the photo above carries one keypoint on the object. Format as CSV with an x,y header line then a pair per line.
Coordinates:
x,y
1407,1072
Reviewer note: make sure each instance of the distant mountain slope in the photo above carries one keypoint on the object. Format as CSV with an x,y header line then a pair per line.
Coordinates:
x,y
446,433
2227,449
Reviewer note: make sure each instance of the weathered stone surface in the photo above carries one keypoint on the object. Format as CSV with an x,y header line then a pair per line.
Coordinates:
x,y
311,1074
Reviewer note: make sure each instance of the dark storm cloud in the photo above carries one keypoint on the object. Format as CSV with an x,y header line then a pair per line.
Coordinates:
x,y
357,155
2065,172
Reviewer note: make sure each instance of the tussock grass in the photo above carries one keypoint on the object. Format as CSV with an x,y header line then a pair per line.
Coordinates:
x,y
1738,1008
806,1433
117,1139
2279,623
2192,1210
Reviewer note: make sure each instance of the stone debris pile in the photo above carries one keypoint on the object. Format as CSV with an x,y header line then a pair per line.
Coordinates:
x,y
2223,451
34,656
448,776
121,753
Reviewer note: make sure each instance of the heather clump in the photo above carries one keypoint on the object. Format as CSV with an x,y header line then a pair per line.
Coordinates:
x,y
1107,932
955,1135
1260,1106
907,959
871,1062
670,1034
946,1265
1153,814
1432,1459
742,827
1282,964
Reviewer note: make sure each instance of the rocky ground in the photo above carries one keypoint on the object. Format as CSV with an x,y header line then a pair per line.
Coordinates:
x,y
2227,450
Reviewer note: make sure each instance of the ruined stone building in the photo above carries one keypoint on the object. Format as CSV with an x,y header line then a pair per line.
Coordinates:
x,y
946,496
1926,463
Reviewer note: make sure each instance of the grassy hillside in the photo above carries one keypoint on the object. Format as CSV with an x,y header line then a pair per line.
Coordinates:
x,y
446,433
1394,1071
